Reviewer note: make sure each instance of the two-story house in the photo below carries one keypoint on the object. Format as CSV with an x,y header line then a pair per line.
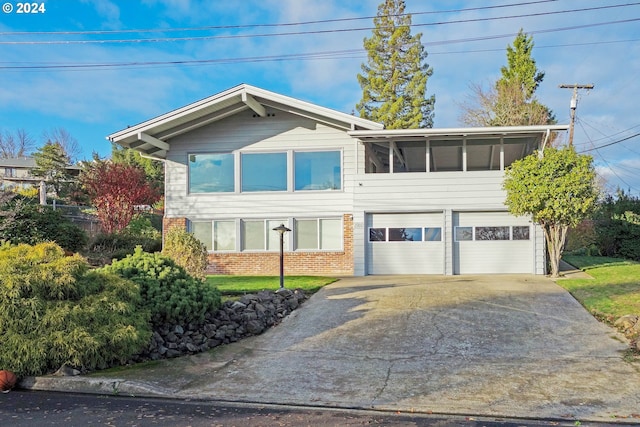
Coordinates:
x,y
359,199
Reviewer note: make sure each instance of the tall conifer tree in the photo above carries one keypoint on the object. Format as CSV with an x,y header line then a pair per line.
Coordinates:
x,y
394,79
511,101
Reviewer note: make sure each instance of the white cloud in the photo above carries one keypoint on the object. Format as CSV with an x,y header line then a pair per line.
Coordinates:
x,y
109,11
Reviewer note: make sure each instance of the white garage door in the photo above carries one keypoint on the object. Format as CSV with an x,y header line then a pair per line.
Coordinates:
x,y
492,242
405,243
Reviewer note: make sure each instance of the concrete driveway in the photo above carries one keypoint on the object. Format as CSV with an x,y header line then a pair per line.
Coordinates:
x,y
511,346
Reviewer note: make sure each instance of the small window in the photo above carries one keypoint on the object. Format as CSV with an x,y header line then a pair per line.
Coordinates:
x,y
264,172
318,170
521,232
433,234
253,235
464,233
224,235
377,234
405,234
258,235
492,233
211,173
203,232
318,234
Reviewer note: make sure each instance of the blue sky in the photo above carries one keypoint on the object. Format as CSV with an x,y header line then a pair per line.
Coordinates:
x,y
111,77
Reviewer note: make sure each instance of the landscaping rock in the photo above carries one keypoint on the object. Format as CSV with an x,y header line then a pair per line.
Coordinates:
x,y
251,315
626,322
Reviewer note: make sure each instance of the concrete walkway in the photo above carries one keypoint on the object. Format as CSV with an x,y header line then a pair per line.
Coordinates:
x,y
504,346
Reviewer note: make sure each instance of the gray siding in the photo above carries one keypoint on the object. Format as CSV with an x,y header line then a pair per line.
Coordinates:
x,y
246,133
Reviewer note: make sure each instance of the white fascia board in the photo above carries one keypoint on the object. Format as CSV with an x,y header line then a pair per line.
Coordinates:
x,y
497,130
245,94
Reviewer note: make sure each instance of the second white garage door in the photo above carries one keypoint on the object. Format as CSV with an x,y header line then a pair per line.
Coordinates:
x,y
408,243
492,243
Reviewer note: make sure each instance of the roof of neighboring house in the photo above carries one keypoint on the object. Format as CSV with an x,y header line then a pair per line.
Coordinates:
x,y
151,137
18,162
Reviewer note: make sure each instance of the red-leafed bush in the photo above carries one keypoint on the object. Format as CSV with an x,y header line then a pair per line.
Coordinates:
x,y
115,189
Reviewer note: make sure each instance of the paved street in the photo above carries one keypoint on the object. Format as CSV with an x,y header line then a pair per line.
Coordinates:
x,y
44,409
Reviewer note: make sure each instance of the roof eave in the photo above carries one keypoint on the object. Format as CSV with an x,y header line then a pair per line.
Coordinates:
x,y
431,132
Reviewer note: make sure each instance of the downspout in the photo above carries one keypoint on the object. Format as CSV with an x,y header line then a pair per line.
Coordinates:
x,y
544,143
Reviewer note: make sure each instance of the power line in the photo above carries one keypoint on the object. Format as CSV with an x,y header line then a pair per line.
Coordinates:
x,y
607,163
323,55
286,24
610,144
339,30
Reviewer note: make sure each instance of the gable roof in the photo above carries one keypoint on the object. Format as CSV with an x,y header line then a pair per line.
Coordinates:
x,y
152,136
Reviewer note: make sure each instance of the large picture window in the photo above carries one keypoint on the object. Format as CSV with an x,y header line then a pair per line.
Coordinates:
x,y
211,173
318,234
317,170
264,172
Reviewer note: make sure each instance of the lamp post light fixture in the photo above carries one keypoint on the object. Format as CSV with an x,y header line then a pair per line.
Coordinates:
x,y
281,229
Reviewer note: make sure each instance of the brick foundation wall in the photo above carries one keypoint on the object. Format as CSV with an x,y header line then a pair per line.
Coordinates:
x,y
295,263
168,223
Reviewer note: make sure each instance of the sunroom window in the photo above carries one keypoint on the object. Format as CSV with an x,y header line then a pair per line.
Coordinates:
x,y
446,155
483,154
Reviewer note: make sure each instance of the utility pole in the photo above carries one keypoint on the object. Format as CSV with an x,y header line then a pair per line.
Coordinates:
x,y
574,104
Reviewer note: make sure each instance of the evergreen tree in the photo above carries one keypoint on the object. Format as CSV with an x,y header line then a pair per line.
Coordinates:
x,y
511,102
52,165
521,69
394,79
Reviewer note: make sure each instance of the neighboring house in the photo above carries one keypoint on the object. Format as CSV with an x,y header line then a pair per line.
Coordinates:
x,y
16,173
359,199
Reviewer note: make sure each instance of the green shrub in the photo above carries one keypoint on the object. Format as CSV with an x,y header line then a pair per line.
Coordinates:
x,y
141,226
55,311
187,251
104,247
24,221
170,294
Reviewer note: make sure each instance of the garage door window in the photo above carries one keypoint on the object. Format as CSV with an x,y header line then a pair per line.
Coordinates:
x,y
492,233
377,234
405,234
521,232
433,234
463,233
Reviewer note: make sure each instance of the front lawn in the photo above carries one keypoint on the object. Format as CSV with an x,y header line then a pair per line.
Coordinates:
x,y
239,285
614,290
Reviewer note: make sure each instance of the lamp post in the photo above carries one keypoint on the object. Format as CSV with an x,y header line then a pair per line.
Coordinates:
x,y
281,229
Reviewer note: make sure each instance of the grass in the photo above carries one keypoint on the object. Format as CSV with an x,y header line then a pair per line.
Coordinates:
x,y
239,285
614,290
